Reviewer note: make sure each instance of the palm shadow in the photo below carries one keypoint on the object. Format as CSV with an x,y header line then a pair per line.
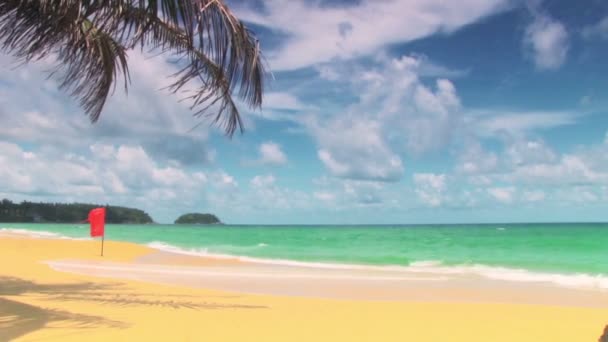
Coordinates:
x,y
132,299
18,319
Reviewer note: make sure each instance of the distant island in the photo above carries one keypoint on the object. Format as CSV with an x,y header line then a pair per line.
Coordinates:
x,y
67,213
198,218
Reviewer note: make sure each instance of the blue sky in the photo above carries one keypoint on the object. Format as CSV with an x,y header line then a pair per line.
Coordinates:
x,y
417,111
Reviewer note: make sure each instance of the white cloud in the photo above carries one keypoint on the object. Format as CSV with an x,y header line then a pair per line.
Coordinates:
x,y
425,67
533,162
356,149
475,160
324,196
430,188
344,194
282,100
533,196
396,112
326,72
493,123
571,169
272,154
261,181
224,180
530,152
581,195
148,116
117,174
316,33
419,64
546,40
502,194
599,30
267,194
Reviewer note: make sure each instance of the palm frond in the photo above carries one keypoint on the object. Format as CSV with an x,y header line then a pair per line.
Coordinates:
x,y
214,90
91,39
88,59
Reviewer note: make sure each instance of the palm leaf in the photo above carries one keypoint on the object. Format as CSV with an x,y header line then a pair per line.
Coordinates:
x,y
90,39
89,60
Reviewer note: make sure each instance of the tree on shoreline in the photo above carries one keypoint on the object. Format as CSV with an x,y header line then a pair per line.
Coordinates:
x,y
66,212
218,55
197,218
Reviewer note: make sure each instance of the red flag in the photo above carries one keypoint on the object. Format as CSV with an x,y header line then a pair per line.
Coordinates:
x,y
97,218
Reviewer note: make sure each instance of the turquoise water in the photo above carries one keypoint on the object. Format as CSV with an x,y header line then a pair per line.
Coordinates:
x,y
554,248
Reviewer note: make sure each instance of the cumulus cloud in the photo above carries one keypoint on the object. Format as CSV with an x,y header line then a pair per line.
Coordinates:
x,y
267,194
223,180
420,64
324,196
356,149
430,188
503,194
531,162
318,33
348,193
395,113
533,196
147,116
570,170
272,154
122,174
547,42
262,181
474,159
530,152
282,100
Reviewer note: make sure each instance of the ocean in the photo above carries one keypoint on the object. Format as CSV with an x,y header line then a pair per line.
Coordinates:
x,y
573,254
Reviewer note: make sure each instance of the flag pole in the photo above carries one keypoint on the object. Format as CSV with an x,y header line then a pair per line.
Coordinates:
x,y
102,238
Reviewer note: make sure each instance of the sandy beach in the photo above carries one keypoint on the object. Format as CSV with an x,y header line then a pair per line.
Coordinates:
x,y
62,290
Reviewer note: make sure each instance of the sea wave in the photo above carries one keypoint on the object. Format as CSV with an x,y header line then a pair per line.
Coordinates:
x,y
435,267
574,280
204,252
38,234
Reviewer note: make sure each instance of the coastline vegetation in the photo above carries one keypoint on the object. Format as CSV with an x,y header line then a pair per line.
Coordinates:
x,y
198,218
67,212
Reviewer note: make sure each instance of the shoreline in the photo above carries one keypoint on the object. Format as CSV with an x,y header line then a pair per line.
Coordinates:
x,y
274,281
207,299
344,284
167,254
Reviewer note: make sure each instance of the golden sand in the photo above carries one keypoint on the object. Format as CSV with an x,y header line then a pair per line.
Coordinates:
x,y
40,304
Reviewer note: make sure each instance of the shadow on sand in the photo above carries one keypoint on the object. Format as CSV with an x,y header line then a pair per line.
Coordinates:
x,y
18,319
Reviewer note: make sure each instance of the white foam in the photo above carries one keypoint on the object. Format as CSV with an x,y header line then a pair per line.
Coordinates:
x,y
134,269
425,263
576,280
38,234
261,244
203,252
433,267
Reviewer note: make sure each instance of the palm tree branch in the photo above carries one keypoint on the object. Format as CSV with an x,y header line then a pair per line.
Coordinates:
x,y
89,60
91,37
216,83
